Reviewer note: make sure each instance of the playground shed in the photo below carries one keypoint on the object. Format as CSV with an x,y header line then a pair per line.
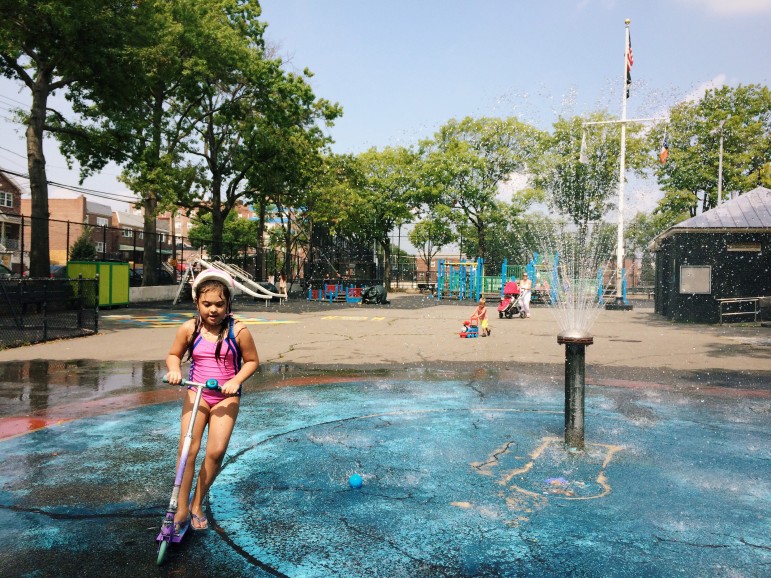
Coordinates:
x,y
716,266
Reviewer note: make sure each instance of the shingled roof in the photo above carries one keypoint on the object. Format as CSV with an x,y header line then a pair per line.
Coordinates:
x,y
748,212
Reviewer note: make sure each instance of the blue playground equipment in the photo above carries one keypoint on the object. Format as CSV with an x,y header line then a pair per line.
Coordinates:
x,y
459,279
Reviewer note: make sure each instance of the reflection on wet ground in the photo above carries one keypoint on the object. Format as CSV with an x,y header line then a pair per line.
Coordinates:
x,y
38,393
464,474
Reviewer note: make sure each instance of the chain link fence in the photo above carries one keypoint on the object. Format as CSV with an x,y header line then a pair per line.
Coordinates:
x,y
36,310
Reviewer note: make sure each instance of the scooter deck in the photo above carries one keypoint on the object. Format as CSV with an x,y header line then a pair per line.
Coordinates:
x,y
177,537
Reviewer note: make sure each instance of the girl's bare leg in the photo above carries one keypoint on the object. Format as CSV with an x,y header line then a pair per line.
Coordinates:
x,y
222,420
198,429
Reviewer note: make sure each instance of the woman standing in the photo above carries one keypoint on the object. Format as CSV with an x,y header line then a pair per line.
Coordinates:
x,y
526,287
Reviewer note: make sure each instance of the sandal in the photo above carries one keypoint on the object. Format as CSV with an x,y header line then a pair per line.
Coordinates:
x,y
181,525
203,523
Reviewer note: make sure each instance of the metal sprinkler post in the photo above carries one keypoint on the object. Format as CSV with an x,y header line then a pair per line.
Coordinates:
x,y
575,374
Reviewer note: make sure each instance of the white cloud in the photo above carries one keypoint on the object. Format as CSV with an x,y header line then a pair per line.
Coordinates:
x,y
733,7
698,92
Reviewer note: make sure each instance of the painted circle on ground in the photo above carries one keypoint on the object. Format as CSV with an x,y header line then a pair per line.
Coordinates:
x,y
449,489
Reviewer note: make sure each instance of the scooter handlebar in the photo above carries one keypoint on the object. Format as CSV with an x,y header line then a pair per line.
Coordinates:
x,y
210,383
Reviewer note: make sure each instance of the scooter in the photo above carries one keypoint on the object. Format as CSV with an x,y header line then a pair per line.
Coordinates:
x,y
168,535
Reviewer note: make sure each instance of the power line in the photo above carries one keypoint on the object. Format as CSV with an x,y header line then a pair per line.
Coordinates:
x,y
14,153
83,190
14,100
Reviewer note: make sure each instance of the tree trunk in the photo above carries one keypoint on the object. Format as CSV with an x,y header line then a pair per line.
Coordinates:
x,y
39,256
217,214
288,255
150,198
482,241
261,241
386,245
150,251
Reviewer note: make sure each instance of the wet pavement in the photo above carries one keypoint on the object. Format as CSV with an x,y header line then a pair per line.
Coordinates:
x,y
458,442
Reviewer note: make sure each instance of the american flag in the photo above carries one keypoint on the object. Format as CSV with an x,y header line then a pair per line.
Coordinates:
x,y
629,63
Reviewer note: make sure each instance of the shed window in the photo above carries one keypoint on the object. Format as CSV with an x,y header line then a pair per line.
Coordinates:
x,y
696,279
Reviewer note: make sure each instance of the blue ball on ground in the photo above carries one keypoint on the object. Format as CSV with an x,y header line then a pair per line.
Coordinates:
x,y
355,481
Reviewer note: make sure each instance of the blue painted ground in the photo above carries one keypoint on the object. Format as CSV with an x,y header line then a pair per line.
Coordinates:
x,y
463,475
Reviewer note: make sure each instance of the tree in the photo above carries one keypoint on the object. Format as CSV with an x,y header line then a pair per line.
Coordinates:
x,y
640,231
185,47
584,191
83,249
380,197
742,115
237,233
467,160
429,236
259,132
55,45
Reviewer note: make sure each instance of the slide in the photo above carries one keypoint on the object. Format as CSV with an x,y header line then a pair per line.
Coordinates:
x,y
242,279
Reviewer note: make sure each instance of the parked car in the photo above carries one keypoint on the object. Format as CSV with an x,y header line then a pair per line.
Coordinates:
x,y
58,271
270,287
164,277
55,272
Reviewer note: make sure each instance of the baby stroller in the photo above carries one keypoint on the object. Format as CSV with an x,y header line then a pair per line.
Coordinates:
x,y
511,303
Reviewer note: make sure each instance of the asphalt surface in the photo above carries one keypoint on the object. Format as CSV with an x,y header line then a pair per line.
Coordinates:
x,y
458,441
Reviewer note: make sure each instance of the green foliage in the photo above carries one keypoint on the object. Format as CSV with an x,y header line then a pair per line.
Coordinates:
x,y
237,234
742,115
58,45
466,162
84,248
584,191
430,235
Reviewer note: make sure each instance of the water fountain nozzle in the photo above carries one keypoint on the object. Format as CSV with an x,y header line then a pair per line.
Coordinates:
x,y
575,342
575,336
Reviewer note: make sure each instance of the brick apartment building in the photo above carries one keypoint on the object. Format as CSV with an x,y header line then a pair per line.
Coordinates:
x,y
10,223
66,223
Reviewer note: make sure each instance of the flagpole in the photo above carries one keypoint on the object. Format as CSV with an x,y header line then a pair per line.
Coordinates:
x,y
621,172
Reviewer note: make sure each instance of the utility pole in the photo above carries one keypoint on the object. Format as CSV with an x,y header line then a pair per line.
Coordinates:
x,y
720,167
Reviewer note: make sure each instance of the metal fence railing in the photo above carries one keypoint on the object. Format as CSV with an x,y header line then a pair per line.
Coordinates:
x,y
35,310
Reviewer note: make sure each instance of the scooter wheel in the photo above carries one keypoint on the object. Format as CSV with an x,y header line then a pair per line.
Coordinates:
x,y
162,551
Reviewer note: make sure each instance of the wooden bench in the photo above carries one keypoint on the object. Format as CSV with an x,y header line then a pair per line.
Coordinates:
x,y
430,287
733,307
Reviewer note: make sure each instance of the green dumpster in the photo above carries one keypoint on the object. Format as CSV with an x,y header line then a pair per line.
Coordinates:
x,y
113,279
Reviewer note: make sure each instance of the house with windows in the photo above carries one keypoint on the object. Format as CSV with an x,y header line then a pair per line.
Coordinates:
x,y
68,219
10,223
128,236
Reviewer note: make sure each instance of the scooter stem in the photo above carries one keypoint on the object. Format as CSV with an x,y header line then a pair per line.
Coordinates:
x,y
186,448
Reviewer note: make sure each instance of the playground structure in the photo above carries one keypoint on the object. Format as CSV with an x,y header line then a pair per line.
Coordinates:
x,y
243,280
459,279
467,279
336,293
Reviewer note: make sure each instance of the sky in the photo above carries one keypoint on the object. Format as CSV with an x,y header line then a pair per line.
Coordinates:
x,y
400,69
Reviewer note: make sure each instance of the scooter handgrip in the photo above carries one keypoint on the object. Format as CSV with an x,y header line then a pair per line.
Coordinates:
x,y
210,383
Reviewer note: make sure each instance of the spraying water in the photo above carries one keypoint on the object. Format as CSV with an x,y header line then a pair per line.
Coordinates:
x,y
572,264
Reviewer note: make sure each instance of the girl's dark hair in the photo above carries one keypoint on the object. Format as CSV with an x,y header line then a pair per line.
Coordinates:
x,y
224,326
